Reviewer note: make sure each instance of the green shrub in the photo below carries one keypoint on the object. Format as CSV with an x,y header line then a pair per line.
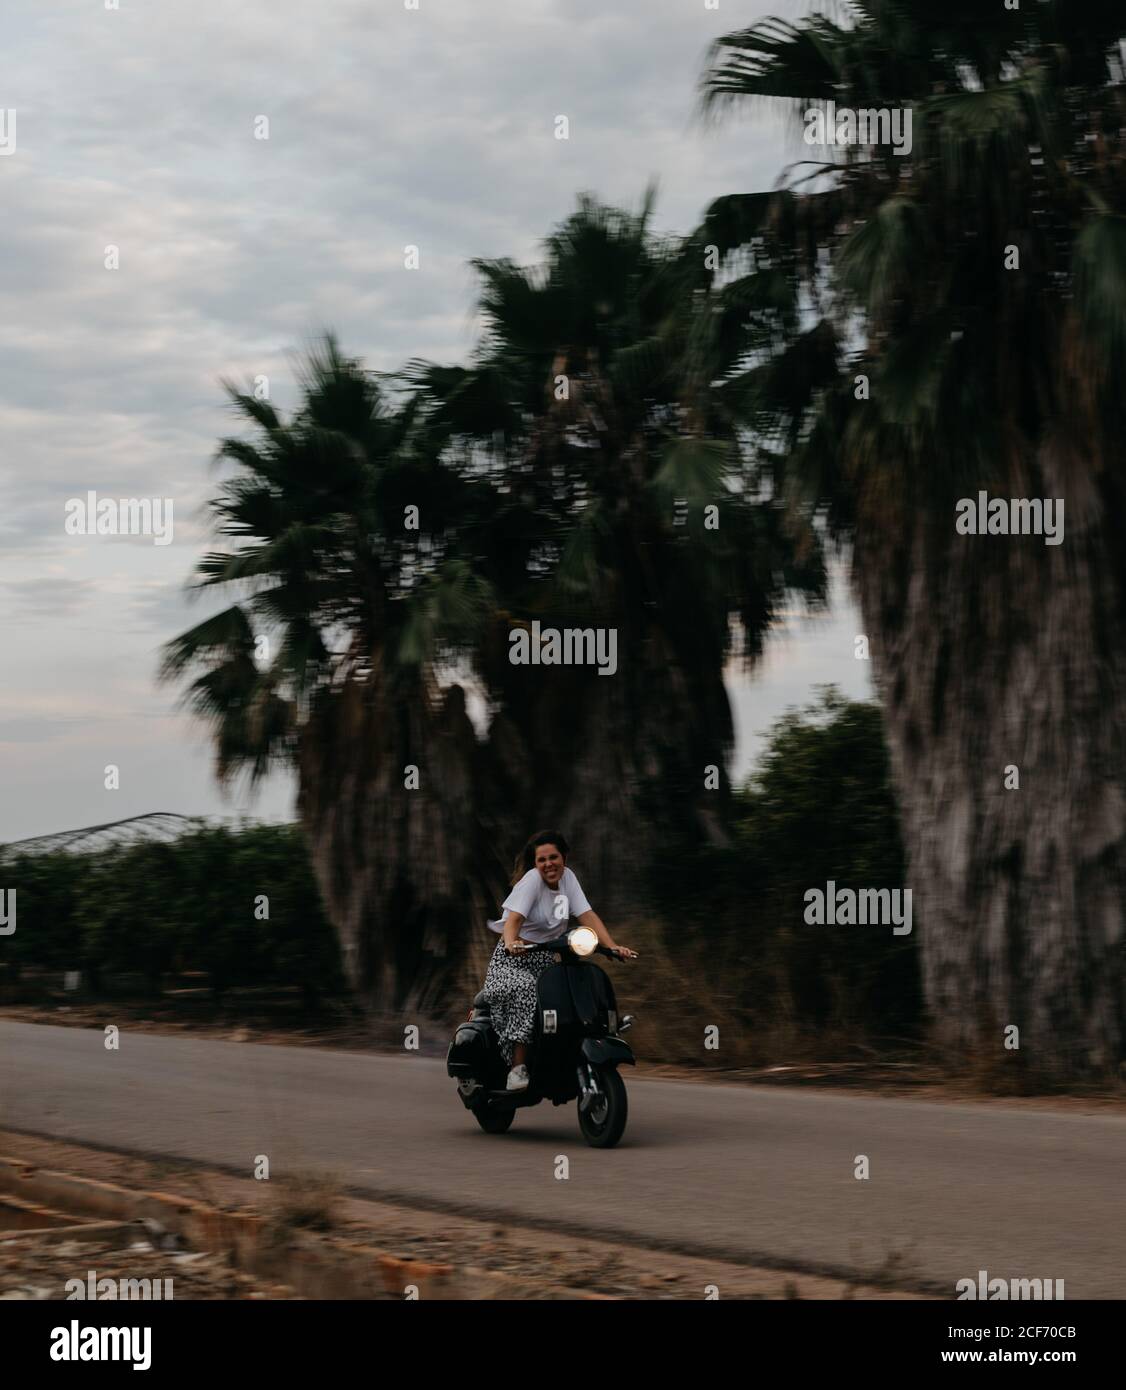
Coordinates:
x,y
818,807
153,908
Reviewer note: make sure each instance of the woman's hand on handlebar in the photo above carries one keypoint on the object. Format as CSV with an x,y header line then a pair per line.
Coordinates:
x,y
606,942
517,947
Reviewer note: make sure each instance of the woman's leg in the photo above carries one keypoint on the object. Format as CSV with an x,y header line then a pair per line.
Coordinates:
x,y
524,1005
510,987
506,986
520,1015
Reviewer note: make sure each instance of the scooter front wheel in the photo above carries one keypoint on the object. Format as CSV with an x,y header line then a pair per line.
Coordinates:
x,y
603,1122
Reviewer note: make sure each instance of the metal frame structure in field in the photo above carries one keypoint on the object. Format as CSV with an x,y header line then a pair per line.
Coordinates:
x,y
155,825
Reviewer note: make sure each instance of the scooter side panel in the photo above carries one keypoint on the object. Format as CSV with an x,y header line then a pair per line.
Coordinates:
x,y
470,1052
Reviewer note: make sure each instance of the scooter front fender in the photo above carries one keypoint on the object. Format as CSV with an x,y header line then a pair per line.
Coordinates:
x,y
601,1052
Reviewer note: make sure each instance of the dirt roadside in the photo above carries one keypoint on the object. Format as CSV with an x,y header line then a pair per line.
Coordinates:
x,y
32,1271
533,1264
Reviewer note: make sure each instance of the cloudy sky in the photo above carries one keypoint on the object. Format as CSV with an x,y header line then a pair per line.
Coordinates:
x,y
135,128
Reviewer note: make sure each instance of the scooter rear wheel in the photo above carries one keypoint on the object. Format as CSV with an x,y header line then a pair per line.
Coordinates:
x,y
494,1121
604,1122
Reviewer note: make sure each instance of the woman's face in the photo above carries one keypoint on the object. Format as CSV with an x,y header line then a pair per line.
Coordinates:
x,y
550,864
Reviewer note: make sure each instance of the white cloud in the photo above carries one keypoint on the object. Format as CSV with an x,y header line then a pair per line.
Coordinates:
x,y
387,127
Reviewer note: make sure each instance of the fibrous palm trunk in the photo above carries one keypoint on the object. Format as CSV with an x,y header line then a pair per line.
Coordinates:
x,y
994,653
406,878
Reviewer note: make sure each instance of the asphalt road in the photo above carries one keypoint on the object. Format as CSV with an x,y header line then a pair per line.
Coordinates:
x,y
758,1174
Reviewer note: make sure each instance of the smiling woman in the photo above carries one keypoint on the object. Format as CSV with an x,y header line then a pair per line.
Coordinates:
x,y
545,895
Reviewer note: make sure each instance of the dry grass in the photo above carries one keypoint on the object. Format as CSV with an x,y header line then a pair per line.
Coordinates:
x,y
306,1201
676,1000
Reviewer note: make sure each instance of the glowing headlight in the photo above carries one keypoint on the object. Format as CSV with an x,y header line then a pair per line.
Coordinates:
x,y
582,941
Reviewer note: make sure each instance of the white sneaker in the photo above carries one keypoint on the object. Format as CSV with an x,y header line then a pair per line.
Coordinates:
x,y
518,1078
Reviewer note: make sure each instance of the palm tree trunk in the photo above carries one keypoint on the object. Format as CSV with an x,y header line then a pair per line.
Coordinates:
x,y
995,653
401,868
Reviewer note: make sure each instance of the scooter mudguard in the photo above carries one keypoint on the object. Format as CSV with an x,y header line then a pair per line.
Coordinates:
x,y
600,1051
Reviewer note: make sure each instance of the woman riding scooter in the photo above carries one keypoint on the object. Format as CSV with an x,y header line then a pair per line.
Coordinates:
x,y
545,894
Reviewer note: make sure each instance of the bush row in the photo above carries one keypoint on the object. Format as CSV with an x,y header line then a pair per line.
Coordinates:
x,y
156,909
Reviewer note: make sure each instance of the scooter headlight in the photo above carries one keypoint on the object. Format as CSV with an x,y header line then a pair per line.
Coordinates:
x,y
582,941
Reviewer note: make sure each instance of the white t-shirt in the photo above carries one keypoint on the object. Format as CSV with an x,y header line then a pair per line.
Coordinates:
x,y
545,911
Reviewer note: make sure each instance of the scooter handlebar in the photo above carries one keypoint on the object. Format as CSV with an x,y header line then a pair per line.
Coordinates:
x,y
561,944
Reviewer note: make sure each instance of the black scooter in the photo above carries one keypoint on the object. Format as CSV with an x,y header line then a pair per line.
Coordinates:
x,y
575,1051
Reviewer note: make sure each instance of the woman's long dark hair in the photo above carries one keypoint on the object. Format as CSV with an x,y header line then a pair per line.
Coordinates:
x,y
526,859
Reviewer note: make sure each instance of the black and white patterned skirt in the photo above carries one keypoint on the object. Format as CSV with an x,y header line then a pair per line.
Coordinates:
x,y
510,988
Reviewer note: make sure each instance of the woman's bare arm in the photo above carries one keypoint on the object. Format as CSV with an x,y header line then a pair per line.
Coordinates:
x,y
512,924
592,920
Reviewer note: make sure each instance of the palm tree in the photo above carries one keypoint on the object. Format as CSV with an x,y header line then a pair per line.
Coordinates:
x,y
548,476
330,660
978,287
590,400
